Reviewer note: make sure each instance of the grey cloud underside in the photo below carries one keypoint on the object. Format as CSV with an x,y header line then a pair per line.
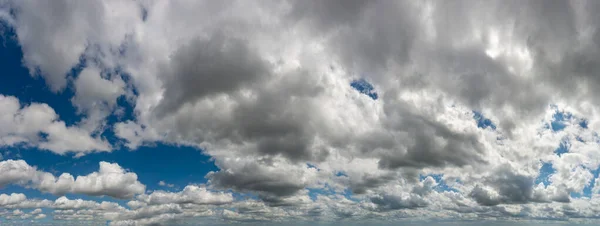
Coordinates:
x,y
512,188
252,177
460,149
391,202
202,68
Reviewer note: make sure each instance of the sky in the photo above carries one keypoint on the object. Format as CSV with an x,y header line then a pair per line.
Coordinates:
x,y
299,112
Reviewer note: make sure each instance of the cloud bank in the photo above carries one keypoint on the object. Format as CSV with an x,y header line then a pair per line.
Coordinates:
x,y
316,110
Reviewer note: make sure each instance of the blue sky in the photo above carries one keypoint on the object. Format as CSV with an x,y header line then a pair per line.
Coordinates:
x,y
307,112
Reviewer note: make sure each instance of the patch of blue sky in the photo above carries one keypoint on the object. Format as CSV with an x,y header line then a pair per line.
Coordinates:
x,y
309,165
441,183
561,119
545,172
243,196
340,174
583,123
349,195
482,121
575,195
563,147
364,87
313,193
327,190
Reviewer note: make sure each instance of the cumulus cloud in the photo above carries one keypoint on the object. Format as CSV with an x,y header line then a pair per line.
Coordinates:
x,y
269,182
39,126
189,194
110,180
96,96
11,199
99,24
264,88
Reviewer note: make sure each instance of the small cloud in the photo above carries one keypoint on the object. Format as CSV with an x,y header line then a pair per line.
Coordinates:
x,y
162,183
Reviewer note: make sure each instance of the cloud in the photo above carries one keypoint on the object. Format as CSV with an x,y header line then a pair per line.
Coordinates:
x,y
269,182
189,194
42,40
110,180
268,90
39,126
11,199
203,68
391,202
96,96
162,183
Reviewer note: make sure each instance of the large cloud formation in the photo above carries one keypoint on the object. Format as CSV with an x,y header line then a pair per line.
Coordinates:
x,y
264,88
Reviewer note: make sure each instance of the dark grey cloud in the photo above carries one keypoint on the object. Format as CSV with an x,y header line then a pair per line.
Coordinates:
x,y
511,188
278,120
259,178
393,202
362,184
422,150
218,65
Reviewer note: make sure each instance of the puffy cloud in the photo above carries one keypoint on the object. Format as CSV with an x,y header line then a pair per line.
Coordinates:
x,y
157,208
39,126
189,194
96,96
110,180
11,199
92,29
392,202
270,181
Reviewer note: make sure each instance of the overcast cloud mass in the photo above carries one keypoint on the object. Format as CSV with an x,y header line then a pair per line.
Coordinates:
x,y
332,112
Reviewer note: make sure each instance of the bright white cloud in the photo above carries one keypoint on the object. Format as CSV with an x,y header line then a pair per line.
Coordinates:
x,y
110,180
39,126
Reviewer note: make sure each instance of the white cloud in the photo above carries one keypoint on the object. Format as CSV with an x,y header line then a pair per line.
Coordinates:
x,y
110,180
96,96
11,199
162,183
189,194
25,125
